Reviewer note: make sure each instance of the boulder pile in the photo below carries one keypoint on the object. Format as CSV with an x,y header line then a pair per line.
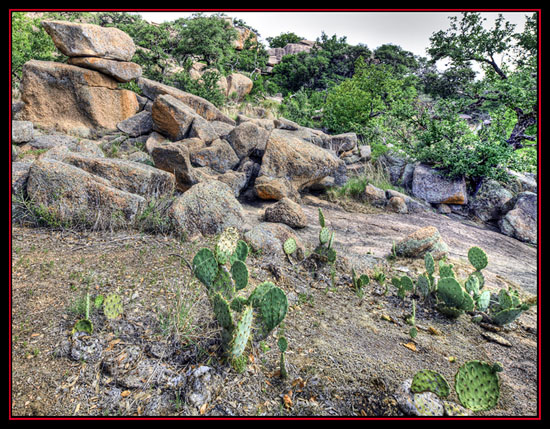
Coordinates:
x,y
169,144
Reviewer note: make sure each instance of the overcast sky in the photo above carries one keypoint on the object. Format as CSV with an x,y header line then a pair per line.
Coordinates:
x,y
410,30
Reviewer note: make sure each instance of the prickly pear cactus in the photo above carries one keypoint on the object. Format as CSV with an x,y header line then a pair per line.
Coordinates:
x,y
480,278
407,283
112,306
224,283
289,246
239,272
273,308
321,218
468,303
477,385
472,285
222,312
505,317
242,334
227,244
423,286
324,235
450,292
205,267
446,270
430,381
478,258
83,325
240,253
483,300
363,280
429,263
257,294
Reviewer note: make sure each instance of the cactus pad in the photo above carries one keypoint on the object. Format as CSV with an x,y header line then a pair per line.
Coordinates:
x,y
321,218
423,286
222,313
224,283
205,266
480,278
239,272
468,303
324,235
450,292
483,300
429,263
472,285
112,306
240,253
273,308
504,317
227,244
478,258
407,283
477,385
282,344
242,334
83,325
257,294
446,270
289,246
363,280
430,381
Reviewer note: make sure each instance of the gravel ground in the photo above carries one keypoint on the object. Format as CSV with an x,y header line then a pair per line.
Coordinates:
x,y
347,354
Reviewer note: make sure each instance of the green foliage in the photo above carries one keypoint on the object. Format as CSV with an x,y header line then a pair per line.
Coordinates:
x,y
360,104
283,39
28,41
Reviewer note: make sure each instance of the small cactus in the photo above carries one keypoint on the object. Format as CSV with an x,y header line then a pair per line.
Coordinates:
x,y
240,253
205,267
321,218
430,381
423,286
450,292
478,258
239,272
289,246
324,235
273,308
242,334
429,263
227,244
477,385
112,306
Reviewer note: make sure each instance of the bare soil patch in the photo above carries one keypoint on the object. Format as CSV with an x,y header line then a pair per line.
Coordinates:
x,y
347,354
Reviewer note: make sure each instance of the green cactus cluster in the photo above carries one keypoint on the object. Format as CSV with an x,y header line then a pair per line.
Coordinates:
x,y
266,306
508,308
403,284
359,282
326,239
476,384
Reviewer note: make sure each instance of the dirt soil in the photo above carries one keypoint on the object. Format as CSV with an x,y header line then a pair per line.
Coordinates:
x,y
347,354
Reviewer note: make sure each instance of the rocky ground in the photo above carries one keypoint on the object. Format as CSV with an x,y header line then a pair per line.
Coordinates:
x,y
347,356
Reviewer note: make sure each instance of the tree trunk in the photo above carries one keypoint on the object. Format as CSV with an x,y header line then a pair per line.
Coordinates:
x,y
525,120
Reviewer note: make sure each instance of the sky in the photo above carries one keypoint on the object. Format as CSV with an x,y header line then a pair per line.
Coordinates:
x,y
410,30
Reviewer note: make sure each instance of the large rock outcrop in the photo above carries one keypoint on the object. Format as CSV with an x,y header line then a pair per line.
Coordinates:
x,y
291,164
72,99
88,40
